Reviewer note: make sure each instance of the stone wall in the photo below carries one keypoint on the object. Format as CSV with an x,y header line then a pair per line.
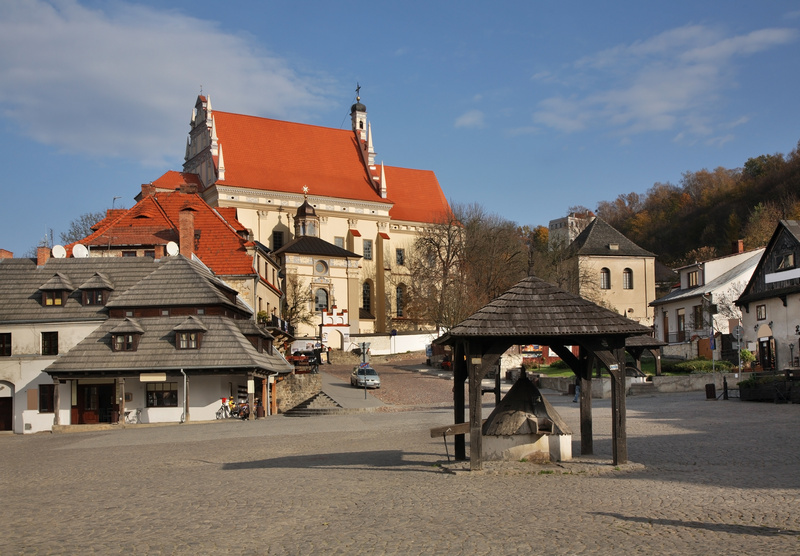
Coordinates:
x,y
295,389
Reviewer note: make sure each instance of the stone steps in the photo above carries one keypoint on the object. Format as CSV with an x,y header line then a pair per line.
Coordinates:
x,y
321,404
642,388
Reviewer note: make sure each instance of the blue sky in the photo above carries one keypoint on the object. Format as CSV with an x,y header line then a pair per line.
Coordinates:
x,y
527,108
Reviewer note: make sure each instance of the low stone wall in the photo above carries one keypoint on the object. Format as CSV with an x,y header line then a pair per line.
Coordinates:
x,y
601,387
695,382
295,389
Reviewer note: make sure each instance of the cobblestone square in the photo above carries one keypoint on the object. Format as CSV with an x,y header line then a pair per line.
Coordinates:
x,y
707,477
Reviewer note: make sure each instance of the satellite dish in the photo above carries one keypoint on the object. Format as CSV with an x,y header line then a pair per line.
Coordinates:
x,y
172,248
79,251
59,252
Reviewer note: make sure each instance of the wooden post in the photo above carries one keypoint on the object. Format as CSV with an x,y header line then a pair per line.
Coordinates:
x,y
264,385
585,398
251,396
188,398
475,416
618,424
121,393
459,402
56,402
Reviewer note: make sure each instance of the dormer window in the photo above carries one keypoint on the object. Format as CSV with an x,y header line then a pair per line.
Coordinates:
x,y
95,290
188,340
126,336
53,298
56,290
93,297
125,342
189,334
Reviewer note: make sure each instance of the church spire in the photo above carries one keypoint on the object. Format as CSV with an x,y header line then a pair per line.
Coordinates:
x,y
358,115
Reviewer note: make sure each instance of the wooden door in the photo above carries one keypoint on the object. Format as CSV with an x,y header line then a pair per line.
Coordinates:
x,y
95,403
6,414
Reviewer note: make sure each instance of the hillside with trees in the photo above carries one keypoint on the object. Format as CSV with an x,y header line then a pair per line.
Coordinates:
x,y
701,217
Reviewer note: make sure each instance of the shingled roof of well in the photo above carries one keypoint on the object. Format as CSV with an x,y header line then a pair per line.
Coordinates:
x,y
535,308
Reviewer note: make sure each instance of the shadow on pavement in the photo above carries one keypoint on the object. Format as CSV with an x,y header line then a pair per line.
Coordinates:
x,y
756,530
377,460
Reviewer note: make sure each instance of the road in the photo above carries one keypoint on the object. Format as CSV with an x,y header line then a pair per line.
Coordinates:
x,y
708,477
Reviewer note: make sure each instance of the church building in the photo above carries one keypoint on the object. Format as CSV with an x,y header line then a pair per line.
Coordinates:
x,y
341,222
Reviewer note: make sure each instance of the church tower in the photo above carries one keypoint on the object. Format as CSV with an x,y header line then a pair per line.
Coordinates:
x,y
306,221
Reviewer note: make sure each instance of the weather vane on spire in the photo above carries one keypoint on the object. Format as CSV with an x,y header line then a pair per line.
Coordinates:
x,y
305,192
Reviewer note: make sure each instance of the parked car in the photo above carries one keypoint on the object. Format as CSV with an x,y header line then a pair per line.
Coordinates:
x,y
303,358
365,376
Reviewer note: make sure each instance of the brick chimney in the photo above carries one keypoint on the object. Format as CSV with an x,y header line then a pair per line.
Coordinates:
x,y
186,231
6,254
188,188
738,247
148,190
42,255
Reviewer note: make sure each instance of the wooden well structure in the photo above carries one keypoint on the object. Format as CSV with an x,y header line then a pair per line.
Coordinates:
x,y
536,312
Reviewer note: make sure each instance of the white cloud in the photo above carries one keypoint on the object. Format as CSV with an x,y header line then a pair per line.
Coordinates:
x,y
471,119
122,82
672,81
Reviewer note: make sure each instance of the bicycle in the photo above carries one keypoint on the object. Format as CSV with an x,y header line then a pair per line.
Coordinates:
x,y
132,417
223,412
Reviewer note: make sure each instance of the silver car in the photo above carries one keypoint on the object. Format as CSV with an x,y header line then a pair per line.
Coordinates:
x,y
365,376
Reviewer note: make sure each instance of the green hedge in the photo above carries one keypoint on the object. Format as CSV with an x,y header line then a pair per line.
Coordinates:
x,y
698,366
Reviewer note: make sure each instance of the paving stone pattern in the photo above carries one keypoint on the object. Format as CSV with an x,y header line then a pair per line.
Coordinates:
x,y
708,477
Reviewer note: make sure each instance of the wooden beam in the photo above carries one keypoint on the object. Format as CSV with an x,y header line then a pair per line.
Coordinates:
x,y
460,375
479,364
587,439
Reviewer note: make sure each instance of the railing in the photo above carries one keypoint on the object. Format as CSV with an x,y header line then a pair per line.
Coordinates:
x,y
281,324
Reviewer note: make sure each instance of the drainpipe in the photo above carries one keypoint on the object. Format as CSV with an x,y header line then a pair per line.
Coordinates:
x,y
183,415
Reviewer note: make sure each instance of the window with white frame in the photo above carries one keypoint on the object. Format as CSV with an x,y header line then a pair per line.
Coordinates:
x,y
605,279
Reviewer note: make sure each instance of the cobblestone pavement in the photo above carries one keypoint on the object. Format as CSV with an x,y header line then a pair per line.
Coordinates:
x,y
710,477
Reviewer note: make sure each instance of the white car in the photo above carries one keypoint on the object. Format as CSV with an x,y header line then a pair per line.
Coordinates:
x,y
364,377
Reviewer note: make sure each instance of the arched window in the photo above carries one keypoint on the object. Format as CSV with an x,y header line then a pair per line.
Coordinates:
x,y
627,279
366,297
400,295
605,279
321,300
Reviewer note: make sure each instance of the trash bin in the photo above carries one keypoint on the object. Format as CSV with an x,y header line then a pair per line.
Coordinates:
x,y
711,392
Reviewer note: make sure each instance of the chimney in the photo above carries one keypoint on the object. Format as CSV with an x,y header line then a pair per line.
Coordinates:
x,y
148,190
738,247
42,255
188,188
186,232
160,251
6,254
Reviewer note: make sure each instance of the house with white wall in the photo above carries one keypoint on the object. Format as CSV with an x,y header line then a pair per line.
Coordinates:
x,y
770,302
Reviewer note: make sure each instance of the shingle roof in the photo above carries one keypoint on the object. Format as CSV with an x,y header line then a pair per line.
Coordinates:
x,y
177,281
20,281
597,239
223,347
273,155
309,245
535,308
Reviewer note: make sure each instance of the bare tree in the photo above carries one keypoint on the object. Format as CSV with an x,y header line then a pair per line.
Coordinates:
x,y
298,301
81,227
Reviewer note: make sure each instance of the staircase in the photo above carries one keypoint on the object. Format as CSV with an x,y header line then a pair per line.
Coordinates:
x,y
321,404
642,389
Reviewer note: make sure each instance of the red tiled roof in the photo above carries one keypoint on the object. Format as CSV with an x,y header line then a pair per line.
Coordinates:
x,y
274,155
416,195
154,221
173,180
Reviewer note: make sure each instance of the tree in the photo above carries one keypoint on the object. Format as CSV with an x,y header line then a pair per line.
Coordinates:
x,y
298,301
81,227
